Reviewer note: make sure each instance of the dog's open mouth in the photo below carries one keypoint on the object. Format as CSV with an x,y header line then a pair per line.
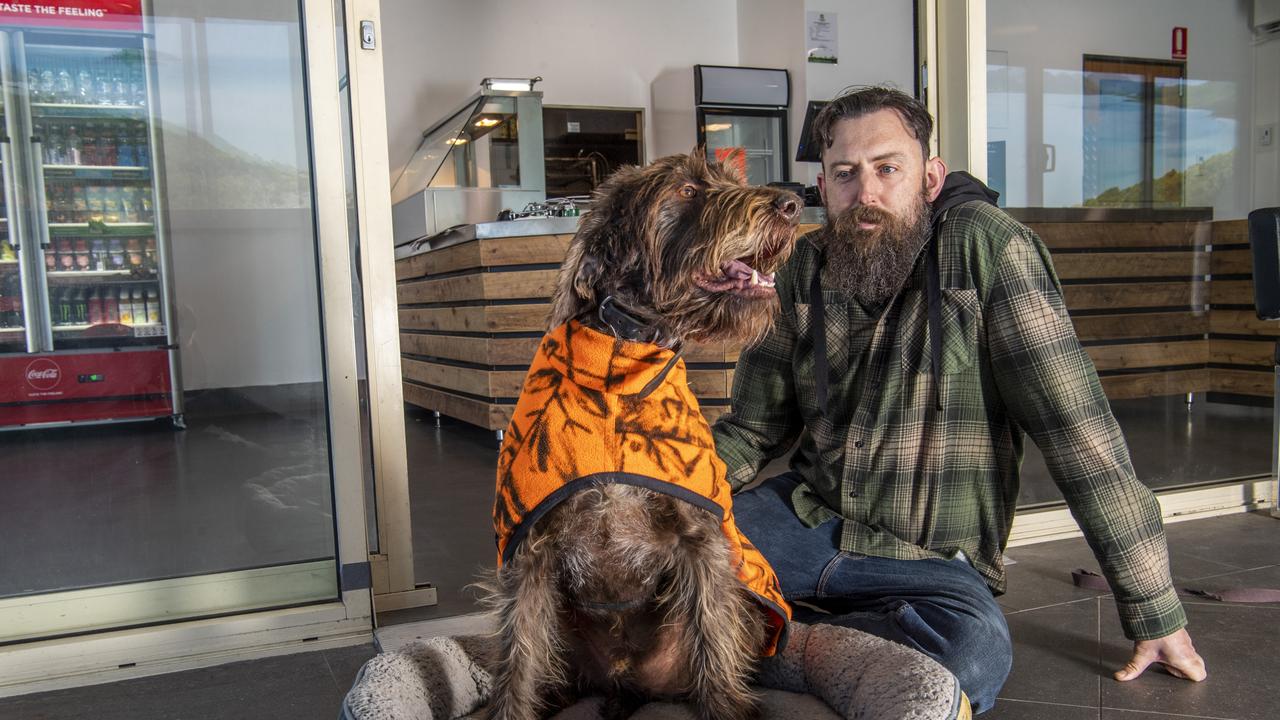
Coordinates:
x,y
739,278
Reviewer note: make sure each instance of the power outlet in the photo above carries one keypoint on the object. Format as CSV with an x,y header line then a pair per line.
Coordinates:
x,y
1265,135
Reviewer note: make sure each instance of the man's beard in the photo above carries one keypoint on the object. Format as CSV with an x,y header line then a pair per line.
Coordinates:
x,y
872,265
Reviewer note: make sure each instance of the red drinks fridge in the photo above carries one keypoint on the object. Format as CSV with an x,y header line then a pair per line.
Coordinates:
x,y
86,311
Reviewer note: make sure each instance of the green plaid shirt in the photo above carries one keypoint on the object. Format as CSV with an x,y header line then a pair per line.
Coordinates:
x,y
915,482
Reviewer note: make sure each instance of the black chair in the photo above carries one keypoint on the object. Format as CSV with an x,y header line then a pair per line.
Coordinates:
x,y
1264,238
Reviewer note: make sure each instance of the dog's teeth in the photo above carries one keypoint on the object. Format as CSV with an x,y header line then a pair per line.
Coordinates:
x,y
755,277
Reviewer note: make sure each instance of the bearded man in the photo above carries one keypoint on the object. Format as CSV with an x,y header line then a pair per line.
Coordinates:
x,y
922,333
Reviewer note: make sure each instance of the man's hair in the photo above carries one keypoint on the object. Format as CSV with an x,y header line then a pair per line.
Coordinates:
x,y
858,101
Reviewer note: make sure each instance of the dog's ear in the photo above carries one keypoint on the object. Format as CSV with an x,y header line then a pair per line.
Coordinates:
x,y
576,285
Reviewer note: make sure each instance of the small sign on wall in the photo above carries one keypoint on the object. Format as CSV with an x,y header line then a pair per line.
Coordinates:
x,y
823,37
1179,43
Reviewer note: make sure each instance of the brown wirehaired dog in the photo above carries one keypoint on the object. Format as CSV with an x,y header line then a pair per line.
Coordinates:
x,y
621,571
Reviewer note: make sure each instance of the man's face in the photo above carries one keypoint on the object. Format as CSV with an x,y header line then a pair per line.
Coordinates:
x,y
874,161
877,187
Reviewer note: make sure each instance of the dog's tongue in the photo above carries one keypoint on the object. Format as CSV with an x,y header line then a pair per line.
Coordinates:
x,y
737,275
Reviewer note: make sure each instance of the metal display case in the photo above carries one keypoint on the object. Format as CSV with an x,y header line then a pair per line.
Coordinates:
x,y
483,157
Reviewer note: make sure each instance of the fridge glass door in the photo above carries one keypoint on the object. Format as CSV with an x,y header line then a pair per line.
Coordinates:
x,y
13,310
753,140
91,159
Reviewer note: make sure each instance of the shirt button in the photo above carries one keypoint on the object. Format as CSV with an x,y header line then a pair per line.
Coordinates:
x,y
858,444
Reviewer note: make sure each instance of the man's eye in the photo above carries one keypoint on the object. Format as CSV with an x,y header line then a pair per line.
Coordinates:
x,y
843,175
888,170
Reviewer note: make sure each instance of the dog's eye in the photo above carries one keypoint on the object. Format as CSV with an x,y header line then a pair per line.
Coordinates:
x,y
689,191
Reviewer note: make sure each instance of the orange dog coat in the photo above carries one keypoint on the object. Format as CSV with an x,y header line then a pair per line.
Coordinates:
x,y
597,409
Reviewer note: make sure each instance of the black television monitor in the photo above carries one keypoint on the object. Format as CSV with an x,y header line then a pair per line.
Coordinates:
x,y
807,150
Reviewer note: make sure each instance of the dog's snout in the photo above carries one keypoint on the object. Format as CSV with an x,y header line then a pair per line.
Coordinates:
x,y
788,205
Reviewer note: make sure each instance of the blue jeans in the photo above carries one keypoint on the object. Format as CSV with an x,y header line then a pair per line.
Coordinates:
x,y
942,608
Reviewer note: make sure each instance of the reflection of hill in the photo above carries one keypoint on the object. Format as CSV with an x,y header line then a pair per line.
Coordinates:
x,y
1201,182
205,174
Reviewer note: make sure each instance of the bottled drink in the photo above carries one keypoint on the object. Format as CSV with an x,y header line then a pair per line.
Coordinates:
x,y
116,255
96,314
139,307
93,195
79,308
50,260
153,306
126,307
33,84
60,203
110,307
79,203
120,91
7,252
125,155
64,313
47,89
137,88
89,145
106,145
75,147
149,250
99,254
142,200
111,203
84,88
6,306
141,146
66,87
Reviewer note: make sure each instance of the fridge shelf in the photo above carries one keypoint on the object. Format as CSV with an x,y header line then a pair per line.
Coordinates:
x,y
69,110
94,274
96,172
101,229
8,262
12,330
137,330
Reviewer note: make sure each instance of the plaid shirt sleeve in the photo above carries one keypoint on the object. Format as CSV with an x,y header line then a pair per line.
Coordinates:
x,y
765,420
1050,387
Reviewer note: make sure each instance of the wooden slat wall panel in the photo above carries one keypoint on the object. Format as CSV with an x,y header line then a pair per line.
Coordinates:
x,y
1232,262
1121,296
1140,325
485,383
1243,382
486,415
514,285
1082,266
1259,353
1242,322
479,319
1177,382
1149,355
1231,292
1230,232
1080,236
481,351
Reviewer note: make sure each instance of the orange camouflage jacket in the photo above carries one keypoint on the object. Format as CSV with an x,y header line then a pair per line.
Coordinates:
x,y
597,409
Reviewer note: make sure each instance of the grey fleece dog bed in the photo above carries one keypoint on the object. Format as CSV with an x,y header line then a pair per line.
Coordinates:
x,y
825,673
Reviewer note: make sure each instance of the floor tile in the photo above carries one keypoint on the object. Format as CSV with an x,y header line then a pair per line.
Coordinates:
x,y
1055,655
1245,540
1110,714
1023,710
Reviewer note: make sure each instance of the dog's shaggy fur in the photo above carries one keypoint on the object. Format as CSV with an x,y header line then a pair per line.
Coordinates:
x,y
620,589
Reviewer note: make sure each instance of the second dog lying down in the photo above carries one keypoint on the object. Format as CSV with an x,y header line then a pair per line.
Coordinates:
x,y
621,570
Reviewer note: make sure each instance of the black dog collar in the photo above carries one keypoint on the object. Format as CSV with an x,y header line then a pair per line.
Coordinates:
x,y
624,325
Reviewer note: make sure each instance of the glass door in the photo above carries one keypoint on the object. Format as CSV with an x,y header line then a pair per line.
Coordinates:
x,y
754,140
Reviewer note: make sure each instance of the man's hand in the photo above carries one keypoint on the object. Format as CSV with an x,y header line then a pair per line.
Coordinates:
x,y
1174,651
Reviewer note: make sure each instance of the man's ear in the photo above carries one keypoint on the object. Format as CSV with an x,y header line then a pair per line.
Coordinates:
x,y
935,174
822,187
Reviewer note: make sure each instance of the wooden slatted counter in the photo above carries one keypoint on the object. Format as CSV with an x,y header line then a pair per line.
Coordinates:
x,y
1162,303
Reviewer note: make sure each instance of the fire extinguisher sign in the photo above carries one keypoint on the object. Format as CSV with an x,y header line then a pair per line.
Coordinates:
x,y
1179,43
117,15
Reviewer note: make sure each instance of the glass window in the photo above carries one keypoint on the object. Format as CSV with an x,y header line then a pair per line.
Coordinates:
x,y
164,407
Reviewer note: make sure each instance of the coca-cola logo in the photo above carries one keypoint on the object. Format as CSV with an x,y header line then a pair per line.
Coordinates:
x,y
44,374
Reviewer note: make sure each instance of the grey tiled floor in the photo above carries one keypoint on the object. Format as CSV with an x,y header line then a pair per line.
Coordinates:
x,y
1067,642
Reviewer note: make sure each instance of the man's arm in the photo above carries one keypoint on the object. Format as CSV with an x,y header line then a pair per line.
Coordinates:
x,y
765,421
1050,387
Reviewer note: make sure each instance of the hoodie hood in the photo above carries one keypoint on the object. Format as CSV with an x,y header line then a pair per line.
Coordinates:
x,y
960,187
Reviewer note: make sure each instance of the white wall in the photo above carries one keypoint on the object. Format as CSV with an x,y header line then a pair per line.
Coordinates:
x,y
1266,109
590,53
1045,42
